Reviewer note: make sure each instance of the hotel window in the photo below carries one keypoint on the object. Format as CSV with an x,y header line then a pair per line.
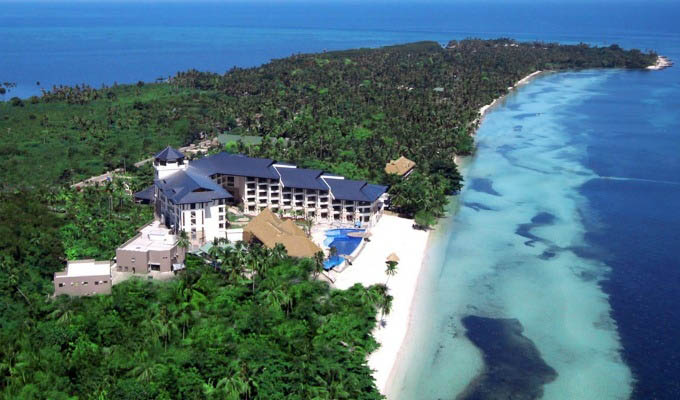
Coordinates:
x,y
61,285
84,283
221,226
221,217
221,209
96,283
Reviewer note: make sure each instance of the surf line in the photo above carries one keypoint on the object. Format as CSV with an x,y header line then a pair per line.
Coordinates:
x,y
619,178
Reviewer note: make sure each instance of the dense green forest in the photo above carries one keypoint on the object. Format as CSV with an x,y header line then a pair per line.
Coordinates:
x,y
347,112
257,326
251,323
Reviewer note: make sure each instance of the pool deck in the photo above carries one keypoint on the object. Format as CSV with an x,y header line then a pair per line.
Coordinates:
x,y
390,234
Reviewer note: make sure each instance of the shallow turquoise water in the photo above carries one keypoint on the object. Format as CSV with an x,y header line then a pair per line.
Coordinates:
x,y
515,249
570,213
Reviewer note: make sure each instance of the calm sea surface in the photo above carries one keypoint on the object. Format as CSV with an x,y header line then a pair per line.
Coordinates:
x,y
568,226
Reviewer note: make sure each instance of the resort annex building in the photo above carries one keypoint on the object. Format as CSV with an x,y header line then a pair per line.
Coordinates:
x,y
193,196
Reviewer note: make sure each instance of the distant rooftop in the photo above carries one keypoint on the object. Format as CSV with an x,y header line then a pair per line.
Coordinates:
x,y
271,230
231,138
169,154
348,189
145,194
88,267
302,178
152,237
246,139
191,186
401,166
236,164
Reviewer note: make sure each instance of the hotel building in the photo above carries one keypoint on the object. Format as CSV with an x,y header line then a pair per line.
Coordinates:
x,y
193,196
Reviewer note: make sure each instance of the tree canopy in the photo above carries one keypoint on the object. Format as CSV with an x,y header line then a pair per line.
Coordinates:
x,y
252,323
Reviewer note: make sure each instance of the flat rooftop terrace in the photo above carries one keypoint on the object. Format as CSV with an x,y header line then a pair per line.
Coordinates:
x,y
153,237
77,268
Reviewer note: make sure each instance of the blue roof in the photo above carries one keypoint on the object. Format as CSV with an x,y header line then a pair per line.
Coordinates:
x,y
191,186
302,178
347,189
236,164
146,194
194,184
372,191
169,154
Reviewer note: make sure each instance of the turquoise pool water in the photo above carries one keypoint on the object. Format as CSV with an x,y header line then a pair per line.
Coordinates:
x,y
344,244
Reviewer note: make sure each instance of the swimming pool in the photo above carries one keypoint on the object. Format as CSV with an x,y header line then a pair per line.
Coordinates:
x,y
344,244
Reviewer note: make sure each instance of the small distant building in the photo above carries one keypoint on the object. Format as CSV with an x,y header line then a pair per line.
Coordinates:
x,y
269,230
154,248
402,166
83,278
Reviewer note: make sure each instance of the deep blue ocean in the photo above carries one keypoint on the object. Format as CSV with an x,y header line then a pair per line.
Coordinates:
x,y
628,125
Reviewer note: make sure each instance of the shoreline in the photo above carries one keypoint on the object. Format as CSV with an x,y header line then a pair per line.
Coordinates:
x,y
662,62
381,363
390,234
484,109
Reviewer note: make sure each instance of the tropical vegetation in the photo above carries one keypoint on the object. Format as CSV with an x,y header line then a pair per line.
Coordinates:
x,y
248,323
252,323
348,112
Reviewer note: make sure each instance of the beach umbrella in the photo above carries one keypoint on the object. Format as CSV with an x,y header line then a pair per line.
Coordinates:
x,y
393,258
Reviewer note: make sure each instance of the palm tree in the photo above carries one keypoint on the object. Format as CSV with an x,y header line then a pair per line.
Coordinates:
x,y
214,253
279,252
391,270
318,263
307,223
144,368
232,387
183,242
385,304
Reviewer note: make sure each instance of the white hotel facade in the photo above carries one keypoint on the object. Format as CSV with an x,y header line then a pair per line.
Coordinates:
x,y
193,196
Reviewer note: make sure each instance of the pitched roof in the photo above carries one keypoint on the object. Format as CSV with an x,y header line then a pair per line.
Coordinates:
x,y
401,166
393,257
190,186
302,178
169,154
146,194
236,164
348,189
270,230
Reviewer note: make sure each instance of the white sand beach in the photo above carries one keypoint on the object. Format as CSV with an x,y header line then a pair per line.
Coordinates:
x,y
661,63
483,110
395,234
391,234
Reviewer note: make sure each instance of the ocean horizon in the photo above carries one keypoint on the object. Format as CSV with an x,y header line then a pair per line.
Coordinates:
x,y
103,43
566,231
